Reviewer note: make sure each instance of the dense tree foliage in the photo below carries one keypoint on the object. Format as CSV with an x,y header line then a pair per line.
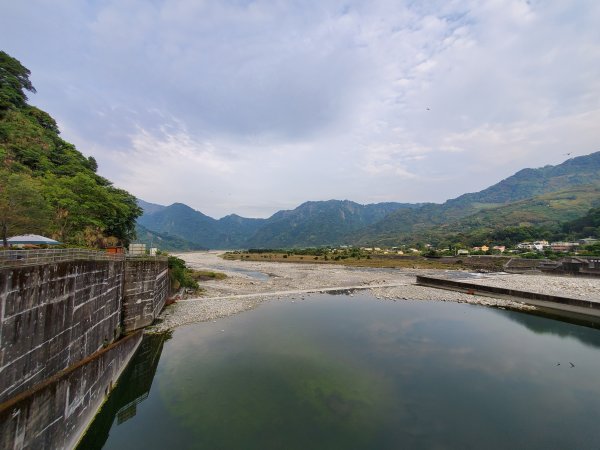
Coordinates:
x,y
14,80
588,225
46,185
180,275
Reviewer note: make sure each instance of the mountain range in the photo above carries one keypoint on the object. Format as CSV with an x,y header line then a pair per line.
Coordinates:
x,y
530,197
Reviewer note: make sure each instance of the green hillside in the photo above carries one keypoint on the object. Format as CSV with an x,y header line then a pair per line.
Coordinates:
x,y
46,185
310,224
584,226
164,241
531,199
184,222
319,223
577,175
541,214
542,210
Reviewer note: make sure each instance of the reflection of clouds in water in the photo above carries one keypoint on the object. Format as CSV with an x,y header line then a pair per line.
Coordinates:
x,y
419,373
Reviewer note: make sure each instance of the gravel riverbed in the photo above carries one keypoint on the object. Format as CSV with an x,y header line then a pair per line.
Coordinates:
x,y
250,283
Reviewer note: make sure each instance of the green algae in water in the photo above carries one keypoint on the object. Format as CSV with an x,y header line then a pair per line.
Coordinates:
x,y
279,381
352,372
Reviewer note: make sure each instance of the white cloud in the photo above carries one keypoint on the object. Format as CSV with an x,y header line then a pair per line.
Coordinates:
x,y
248,107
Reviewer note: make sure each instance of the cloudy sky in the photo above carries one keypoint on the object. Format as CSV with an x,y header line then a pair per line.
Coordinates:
x,y
249,107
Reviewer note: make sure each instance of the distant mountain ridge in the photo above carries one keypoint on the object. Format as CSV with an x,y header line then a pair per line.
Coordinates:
x,y
164,241
527,183
530,196
181,220
310,224
320,223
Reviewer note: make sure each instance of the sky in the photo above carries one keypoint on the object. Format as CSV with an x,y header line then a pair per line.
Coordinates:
x,y
250,107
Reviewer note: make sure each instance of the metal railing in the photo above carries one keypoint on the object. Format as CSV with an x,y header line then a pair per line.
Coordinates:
x,y
18,258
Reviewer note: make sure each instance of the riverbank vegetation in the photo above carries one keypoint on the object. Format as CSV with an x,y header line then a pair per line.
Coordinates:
x,y
347,257
183,277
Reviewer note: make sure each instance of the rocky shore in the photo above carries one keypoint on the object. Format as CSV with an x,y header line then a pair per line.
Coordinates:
x,y
248,284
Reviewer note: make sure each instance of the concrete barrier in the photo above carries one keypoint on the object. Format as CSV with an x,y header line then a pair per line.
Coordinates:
x,y
146,289
55,413
548,301
54,315
61,321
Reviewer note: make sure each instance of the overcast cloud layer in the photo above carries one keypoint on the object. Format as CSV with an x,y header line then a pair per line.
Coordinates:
x,y
249,107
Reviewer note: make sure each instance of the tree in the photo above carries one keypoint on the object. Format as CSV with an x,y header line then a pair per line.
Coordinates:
x,y
85,208
22,206
14,80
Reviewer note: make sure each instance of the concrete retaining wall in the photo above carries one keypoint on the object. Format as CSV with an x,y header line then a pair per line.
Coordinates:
x,y
146,291
54,315
56,412
554,302
57,323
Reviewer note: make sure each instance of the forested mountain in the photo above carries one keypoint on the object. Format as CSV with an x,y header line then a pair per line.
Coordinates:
x,y
586,225
531,198
46,185
164,241
547,211
310,224
149,208
527,183
180,220
579,175
320,223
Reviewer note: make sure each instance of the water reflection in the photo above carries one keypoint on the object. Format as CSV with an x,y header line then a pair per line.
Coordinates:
x,y
332,373
133,388
562,326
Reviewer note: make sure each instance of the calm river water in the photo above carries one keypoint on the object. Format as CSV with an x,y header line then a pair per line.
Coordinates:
x,y
342,372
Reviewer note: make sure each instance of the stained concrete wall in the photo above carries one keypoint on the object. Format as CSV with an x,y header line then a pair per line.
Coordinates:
x,y
54,315
133,388
56,412
549,301
145,293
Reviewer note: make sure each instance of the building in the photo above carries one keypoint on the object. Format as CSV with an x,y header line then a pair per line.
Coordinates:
x,y
536,245
563,246
137,249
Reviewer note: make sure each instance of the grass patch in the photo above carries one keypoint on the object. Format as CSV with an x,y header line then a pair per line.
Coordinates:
x,y
360,261
206,275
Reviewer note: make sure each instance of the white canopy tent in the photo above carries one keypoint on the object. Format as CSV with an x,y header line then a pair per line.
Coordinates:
x,y
31,239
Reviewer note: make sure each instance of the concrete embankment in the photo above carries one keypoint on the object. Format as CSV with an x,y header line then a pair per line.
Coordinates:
x,y
62,317
55,413
585,309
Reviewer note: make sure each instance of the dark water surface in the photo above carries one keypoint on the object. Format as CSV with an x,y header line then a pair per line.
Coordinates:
x,y
341,372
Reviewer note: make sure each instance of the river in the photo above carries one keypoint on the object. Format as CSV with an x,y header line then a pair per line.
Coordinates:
x,y
341,371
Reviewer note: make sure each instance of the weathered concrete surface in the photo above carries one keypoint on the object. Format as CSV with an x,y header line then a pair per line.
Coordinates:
x,y
132,389
145,293
556,303
54,315
57,412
